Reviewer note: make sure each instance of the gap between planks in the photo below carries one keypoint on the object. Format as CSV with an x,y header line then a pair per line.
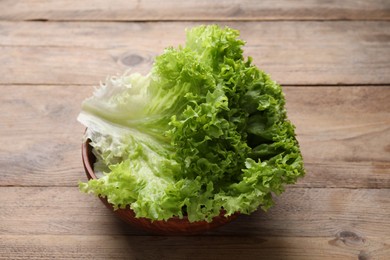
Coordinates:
x,y
287,85
242,20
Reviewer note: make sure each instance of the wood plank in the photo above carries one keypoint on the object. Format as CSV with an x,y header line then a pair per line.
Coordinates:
x,y
299,212
125,247
40,137
304,223
342,133
194,10
294,53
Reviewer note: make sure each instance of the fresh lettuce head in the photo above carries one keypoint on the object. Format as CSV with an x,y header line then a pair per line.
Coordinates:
x,y
205,130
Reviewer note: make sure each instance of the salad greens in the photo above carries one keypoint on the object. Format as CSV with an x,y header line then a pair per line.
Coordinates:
x,y
205,130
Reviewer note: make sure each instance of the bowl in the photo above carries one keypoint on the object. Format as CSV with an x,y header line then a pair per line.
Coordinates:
x,y
172,226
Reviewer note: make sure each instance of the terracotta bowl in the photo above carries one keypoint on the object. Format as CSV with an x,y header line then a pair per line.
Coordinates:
x,y
173,226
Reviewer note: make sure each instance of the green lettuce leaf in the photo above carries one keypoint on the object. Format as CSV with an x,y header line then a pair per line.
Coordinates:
x,y
205,130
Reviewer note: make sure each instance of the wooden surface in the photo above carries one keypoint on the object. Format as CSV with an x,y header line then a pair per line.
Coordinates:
x,y
332,57
304,53
204,10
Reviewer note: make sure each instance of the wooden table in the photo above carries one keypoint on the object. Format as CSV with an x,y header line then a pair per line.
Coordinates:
x,y
333,60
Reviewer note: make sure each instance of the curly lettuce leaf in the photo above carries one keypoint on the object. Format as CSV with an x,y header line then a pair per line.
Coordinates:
x,y
205,130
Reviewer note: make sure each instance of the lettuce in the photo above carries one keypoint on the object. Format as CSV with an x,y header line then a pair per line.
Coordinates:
x,y
205,130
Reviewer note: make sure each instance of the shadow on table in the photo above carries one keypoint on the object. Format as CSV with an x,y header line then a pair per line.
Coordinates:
x,y
248,237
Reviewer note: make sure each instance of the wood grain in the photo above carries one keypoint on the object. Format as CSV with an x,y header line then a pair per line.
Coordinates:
x,y
154,10
41,139
294,53
224,248
299,212
343,133
304,223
